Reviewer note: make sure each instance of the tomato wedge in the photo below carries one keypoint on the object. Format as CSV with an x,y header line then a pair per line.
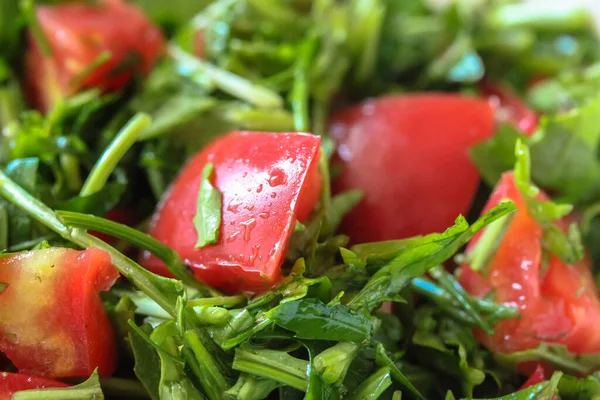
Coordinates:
x,y
79,35
558,302
11,383
408,154
52,320
509,107
268,182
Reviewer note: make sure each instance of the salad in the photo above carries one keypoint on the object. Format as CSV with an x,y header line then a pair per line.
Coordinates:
x,y
299,199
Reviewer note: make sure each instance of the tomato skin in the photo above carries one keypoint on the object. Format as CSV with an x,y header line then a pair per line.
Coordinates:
x,y
408,154
537,376
509,107
11,383
557,305
78,34
52,320
267,182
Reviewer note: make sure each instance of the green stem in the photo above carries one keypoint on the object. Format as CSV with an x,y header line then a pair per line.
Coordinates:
x,y
28,9
142,240
333,363
300,90
228,82
223,301
99,61
211,379
162,290
272,364
114,153
70,166
249,387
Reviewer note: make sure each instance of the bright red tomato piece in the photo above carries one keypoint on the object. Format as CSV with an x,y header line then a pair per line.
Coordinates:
x,y
558,302
510,108
408,154
11,383
52,320
80,33
268,182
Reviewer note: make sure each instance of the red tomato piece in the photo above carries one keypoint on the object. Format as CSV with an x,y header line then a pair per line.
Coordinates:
x,y
408,154
52,320
558,303
11,383
80,33
509,107
267,182
537,376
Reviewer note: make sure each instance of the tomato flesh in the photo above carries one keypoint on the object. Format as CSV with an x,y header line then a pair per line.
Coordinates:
x,y
408,154
52,320
11,383
268,182
558,303
80,33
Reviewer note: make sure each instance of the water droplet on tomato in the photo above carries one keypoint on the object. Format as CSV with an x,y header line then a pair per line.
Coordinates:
x,y
233,236
273,194
260,188
264,215
234,206
277,177
248,225
249,207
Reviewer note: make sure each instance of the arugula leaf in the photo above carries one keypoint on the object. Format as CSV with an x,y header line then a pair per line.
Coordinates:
x,y
147,363
424,254
207,220
374,386
384,361
90,389
311,319
542,391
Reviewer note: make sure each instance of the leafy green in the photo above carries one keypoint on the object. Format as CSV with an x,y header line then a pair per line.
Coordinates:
x,y
424,254
207,220
311,319
147,362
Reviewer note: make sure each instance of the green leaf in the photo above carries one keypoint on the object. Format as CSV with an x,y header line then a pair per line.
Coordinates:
x,y
207,220
249,387
423,254
333,363
88,390
374,386
147,363
384,361
311,319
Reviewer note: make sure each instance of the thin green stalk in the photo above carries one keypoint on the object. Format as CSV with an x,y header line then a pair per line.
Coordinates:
x,y
99,61
114,153
300,90
272,364
223,301
142,240
228,82
28,9
211,379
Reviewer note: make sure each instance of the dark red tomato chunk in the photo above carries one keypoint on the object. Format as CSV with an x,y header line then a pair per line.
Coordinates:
x,y
537,376
408,154
11,383
78,34
510,108
558,303
52,320
268,182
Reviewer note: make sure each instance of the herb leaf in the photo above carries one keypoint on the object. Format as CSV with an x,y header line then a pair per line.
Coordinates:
x,y
311,319
207,220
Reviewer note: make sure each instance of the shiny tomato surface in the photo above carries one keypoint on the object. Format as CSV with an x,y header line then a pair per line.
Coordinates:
x,y
408,154
79,35
509,108
267,182
52,320
558,302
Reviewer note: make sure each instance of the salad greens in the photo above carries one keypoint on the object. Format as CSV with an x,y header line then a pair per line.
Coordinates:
x,y
284,66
